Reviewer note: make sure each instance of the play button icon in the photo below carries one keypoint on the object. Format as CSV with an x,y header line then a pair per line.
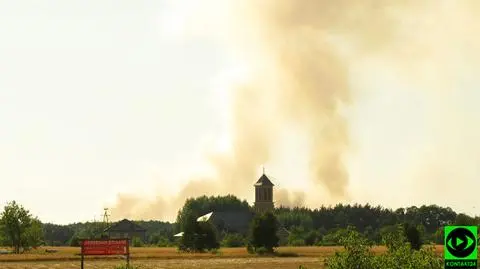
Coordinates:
x,y
459,241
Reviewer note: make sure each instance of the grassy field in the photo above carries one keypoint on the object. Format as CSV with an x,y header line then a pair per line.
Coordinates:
x,y
156,258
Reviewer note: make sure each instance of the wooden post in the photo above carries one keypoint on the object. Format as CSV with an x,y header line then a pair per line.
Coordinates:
x,y
128,254
81,254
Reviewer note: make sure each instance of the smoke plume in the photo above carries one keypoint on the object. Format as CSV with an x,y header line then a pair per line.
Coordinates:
x,y
298,55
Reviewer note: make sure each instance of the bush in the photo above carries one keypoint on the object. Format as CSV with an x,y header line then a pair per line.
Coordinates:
x,y
297,242
198,236
312,238
263,233
413,236
74,241
357,254
163,242
333,237
400,254
233,240
137,242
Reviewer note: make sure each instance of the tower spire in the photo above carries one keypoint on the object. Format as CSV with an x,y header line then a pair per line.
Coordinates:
x,y
263,169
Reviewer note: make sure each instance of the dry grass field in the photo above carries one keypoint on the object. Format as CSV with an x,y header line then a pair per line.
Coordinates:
x,y
157,258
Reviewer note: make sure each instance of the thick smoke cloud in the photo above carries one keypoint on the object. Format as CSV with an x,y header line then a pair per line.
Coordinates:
x,y
298,55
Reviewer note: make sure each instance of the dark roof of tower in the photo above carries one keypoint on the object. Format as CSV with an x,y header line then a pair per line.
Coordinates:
x,y
264,181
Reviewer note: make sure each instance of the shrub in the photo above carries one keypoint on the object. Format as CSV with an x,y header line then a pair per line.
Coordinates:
x,y
233,240
357,254
163,242
400,254
137,242
413,236
312,238
74,241
297,242
333,237
198,236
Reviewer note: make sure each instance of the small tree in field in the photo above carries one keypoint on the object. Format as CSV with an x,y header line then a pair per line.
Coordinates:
x,y
33,236
197,236
19,228
263,233
413,236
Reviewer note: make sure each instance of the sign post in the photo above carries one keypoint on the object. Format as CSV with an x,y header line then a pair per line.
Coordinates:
x,y
104,247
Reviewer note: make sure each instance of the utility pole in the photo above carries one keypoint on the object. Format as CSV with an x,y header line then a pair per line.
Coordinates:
x,y
105,216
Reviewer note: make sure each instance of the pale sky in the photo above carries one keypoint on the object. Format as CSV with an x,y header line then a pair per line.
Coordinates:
x,y
99,97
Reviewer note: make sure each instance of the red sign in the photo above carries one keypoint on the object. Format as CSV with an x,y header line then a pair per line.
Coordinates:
x,y
105,247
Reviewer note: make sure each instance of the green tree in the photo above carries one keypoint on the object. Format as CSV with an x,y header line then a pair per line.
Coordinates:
x,y
312,238
465,220
413,236
334,236
438,236
358,254
137,242
197,236
188,241
208,236
263,232
297,236
57,235
3,240
203,205
163,241
74,241
392,236
33,235
19,227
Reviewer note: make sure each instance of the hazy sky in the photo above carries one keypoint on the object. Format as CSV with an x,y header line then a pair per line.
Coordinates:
x,y
99,98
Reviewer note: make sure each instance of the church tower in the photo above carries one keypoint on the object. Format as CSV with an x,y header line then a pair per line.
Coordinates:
x,y
263,194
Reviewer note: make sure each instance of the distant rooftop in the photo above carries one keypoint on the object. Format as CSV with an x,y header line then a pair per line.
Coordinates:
x,y
125,226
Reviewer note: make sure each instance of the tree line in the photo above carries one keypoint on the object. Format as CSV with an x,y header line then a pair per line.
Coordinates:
x,y
326,225
320,226
158,233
